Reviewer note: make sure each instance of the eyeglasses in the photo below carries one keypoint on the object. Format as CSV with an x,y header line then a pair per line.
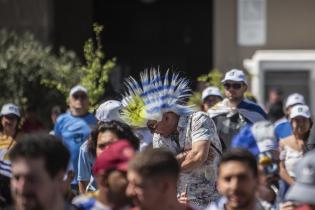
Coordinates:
x,y
79,96
235,86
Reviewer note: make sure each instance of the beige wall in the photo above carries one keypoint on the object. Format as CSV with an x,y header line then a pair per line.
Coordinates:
x,y
290,25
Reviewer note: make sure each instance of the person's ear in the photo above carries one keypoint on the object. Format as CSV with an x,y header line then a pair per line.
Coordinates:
x,y
245,87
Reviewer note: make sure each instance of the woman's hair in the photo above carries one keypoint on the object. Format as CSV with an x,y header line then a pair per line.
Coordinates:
x,y
122,130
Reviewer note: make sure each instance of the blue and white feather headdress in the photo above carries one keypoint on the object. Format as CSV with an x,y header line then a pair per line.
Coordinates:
x,y
153,96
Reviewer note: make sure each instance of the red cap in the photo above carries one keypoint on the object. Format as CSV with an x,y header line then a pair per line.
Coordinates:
x,y
114,156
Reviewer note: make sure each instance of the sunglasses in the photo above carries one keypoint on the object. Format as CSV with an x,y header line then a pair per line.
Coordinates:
x,y
235,86
11,116
79,96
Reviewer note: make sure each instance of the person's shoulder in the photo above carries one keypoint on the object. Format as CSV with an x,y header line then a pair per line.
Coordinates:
x,y
250,105
84,147
201,117
199,114
90,118
285,141
65,116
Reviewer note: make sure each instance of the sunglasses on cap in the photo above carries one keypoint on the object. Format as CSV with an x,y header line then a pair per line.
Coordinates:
x,y
79,96
235,86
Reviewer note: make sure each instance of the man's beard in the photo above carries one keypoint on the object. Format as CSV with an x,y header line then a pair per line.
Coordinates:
x,y
36,205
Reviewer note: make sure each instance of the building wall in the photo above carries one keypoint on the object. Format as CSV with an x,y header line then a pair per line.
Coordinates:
x,y
34,16
290,25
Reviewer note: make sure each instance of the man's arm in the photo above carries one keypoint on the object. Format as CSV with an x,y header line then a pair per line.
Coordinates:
x,y
195,157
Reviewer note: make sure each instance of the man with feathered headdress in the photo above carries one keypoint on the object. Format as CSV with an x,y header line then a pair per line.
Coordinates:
x,y
159,102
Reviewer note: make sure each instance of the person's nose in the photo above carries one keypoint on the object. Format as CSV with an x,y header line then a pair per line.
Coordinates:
x,y
130,190
21,185
234,183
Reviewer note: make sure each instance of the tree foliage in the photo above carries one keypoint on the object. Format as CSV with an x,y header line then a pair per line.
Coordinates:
x,y
93,75
25,64
96,69
213,78
32,74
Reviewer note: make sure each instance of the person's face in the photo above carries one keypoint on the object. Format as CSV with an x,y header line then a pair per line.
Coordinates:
x,y
166,126
145,193
234,90
238,183
9,122
103,140
32,187
300,125
210,101
274,96
79,101
117,185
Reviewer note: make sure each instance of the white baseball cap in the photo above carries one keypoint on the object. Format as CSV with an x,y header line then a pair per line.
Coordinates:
x,y
10,109
294,99
108,111
211,91
300,110
235,75
78,88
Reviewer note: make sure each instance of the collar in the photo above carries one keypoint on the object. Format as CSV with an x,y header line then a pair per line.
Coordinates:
x,y
183,121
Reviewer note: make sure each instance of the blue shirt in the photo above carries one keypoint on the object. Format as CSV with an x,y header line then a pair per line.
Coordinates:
x,y
282,128
86,161
74,131
245,139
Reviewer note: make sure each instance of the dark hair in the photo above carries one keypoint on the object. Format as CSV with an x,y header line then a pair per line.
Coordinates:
x,y
155,163
41,145
122,130
241,155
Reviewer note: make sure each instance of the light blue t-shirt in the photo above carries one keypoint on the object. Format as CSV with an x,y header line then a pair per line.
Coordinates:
x,y
74,131
86,161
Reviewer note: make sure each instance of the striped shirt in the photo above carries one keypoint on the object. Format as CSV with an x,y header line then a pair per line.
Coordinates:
x,y
6,142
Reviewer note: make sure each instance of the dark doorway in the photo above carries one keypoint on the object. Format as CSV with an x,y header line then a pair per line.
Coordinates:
x,y
173,34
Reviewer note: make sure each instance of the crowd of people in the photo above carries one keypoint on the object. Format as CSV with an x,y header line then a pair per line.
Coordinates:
x,y
153,151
